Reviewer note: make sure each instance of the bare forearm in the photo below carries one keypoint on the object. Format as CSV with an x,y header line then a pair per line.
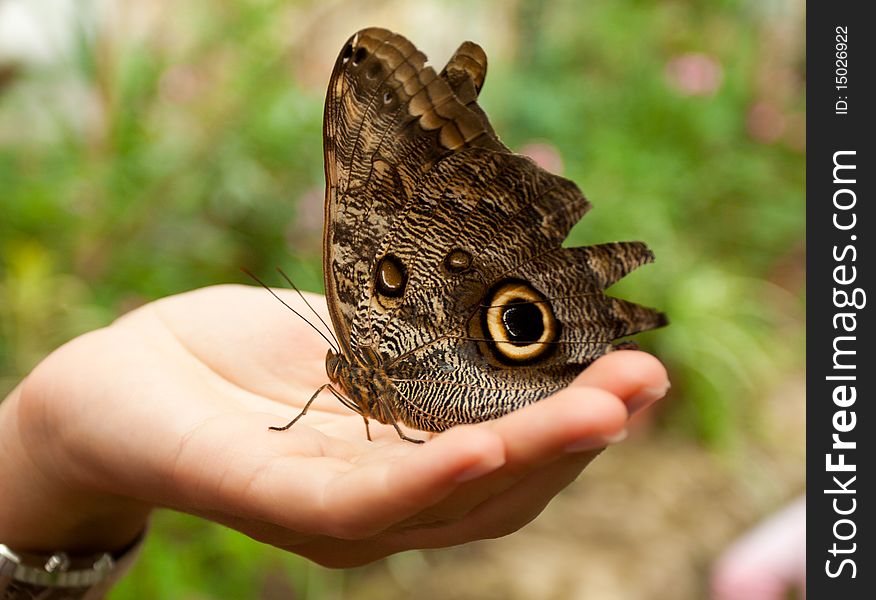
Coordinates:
x,y
39,511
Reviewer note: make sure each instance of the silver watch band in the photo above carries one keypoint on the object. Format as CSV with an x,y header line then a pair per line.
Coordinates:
x,y
59,576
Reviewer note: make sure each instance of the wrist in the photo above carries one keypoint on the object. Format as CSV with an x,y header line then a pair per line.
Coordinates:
x,y
44,510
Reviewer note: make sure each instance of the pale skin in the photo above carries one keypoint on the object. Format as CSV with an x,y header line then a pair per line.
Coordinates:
x,y
170,407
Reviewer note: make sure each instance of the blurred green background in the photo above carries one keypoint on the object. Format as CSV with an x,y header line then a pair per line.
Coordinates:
x,y
147,148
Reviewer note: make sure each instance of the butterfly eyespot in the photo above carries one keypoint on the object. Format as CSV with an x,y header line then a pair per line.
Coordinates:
x,y
346,53
390,277
373,71
457,261
359,56
519,323
523,322
387,97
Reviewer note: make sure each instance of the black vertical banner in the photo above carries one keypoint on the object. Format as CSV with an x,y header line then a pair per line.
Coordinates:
x,y
840,228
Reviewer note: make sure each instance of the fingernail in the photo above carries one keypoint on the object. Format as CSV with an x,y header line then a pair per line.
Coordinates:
x,y
479,470
596,441
645,398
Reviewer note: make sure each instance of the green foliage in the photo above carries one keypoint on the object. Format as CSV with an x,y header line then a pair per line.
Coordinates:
x,y
143,166
219,563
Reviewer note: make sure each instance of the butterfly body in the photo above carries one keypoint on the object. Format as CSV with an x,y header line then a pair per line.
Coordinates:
x,y
448,287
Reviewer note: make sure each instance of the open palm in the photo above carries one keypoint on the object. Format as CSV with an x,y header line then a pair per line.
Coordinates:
x,y
170,406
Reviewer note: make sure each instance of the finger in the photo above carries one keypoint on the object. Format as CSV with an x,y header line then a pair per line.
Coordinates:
x,y
577,417
636,377
574,420
501,514
509,497
378,494
586,415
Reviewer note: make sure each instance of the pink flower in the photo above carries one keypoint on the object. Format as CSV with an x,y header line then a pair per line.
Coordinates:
x,y
545,156
765,122
694,74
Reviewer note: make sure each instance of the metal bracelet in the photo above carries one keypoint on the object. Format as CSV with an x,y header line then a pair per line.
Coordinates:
x,y
55,569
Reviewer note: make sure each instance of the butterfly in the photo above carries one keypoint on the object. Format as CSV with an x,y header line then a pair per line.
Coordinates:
x,y
452,298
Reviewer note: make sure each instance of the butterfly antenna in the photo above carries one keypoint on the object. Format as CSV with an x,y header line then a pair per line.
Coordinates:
x,y
313,310
283,302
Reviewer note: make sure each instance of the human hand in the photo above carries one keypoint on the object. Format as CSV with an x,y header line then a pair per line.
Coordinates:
x,y
170,407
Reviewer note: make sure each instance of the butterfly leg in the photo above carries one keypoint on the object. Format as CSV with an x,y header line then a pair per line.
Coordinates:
x,y
402,435
303,410
352,406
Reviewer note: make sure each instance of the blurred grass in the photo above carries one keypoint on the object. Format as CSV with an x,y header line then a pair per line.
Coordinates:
x,y
152,159
185,557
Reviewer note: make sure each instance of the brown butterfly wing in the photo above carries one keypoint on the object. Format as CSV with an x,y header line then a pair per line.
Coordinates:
x,y
388,118
430,220
465,73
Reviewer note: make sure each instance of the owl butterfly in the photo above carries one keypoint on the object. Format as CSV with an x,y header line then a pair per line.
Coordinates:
x,y
450,292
